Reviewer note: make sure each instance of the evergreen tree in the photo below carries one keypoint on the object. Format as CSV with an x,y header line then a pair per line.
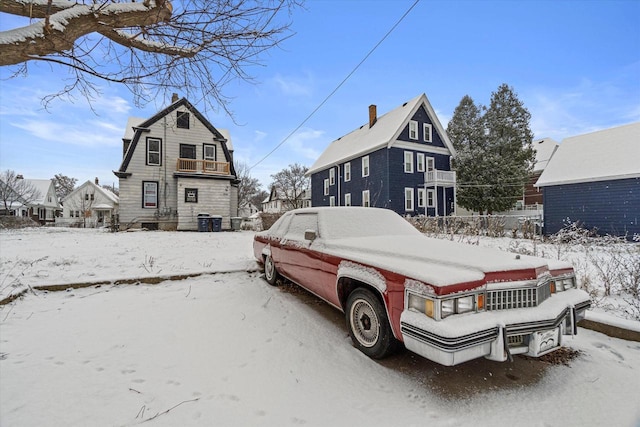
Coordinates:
x,y
466,132
495,152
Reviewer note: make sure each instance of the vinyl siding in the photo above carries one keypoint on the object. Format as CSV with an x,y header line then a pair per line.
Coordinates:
x,y
613,207
131,210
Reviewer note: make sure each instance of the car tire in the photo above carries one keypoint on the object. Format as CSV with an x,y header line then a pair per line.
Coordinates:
x,y
368,324
270,273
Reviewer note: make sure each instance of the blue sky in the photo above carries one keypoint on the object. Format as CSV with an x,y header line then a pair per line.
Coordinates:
x,y
574,64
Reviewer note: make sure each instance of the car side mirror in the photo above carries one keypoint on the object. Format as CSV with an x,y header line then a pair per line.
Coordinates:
x,y
310,235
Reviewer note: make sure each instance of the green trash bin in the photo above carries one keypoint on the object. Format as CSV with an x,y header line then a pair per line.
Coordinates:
x,y
204,219
236,222
216,223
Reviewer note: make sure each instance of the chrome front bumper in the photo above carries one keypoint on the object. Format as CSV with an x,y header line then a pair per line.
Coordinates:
x,y
496,335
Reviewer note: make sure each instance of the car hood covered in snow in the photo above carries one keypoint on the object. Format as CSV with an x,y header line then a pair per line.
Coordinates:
x,y
438,262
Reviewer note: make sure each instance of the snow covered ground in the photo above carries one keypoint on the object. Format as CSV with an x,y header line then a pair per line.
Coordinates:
x,y
225,349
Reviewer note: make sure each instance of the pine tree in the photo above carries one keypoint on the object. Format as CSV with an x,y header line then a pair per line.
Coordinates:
x,y
495,153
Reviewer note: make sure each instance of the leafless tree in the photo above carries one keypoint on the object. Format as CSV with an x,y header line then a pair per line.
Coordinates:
x,y
15,189
83,203
248,187
153,47
292,184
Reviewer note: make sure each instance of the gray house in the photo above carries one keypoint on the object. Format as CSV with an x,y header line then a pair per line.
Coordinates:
x,y
176,166
594,179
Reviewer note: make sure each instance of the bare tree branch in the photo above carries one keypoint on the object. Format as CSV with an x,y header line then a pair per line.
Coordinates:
x,y
153,47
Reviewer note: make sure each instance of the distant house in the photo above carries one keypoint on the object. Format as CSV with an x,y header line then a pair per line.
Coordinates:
x,y
176,165
278,201
399,161
89,206
545,149
44,207
594,179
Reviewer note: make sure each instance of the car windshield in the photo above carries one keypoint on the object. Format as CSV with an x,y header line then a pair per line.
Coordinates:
x,y
344,223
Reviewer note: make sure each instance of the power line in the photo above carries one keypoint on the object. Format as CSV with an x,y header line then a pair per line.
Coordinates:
x,y
337,87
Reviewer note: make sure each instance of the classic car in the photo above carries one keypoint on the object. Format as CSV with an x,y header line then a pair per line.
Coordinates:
x,y
446,301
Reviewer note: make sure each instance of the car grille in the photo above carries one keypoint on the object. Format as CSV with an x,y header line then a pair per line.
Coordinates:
x,y
506,299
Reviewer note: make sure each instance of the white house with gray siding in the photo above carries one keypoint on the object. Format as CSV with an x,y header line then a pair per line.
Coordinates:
x,y
176,165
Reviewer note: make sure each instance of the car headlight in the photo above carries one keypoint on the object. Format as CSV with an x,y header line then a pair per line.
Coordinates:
x,y
421,304
560,285
460,305
437,308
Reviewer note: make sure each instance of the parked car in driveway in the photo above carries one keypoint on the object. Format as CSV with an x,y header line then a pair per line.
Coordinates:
x,y
445,301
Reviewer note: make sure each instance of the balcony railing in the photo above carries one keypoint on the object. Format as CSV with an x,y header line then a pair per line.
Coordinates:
x,y
440,178
203,166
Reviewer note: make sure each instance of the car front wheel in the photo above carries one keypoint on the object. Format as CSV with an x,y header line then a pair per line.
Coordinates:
x,y
368,324
270,272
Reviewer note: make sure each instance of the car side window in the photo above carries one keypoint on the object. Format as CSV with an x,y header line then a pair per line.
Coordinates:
x,y
279,228
301,223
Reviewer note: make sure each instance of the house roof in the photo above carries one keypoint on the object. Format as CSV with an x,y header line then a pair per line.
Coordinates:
x,y
598,156
383,133
136,126
545,148
109,195
132,122
42,185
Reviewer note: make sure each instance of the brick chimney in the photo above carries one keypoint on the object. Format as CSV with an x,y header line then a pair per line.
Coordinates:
x,y
174,98
373,115
96,181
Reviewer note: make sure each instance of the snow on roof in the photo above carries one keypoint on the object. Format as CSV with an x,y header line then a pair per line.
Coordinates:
x,y
107,193
367,139
131,123
225,133
545,148
598,156
42,185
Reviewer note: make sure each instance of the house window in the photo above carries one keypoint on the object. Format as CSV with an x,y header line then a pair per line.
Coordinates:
x,y
365,199
191,195
187,151
413,129
365,166
154,147
326,187
408,162
431,194
431,164
427,132
421,197
347,199
420,162
332,176
347,172
150,194
183,119
408,199
88,197
209,152
332,201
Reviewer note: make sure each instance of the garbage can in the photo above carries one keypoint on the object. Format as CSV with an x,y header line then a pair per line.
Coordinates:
x,y
236,222
204,219
216,223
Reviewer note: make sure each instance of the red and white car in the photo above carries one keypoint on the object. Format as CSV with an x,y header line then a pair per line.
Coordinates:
x,y
446,301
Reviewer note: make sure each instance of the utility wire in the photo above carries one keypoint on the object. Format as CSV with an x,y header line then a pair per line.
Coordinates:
x,y
337,87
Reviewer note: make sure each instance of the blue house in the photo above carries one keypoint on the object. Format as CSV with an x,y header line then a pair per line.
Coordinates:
x,y
594,179
399,161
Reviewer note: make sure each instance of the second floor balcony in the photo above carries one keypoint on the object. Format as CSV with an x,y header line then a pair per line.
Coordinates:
x,y
203,167
440,178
